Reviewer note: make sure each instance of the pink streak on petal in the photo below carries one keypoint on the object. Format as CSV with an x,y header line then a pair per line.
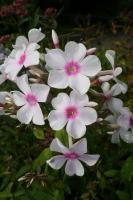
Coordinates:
x,y
131,121
31,99
22,59
72,68
71,155
71,112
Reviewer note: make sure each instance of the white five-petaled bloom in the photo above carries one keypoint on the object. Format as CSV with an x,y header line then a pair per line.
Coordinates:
x,y
71,67
72,156
75,111
34,36
28,100
27,56
110,101
123,121
110,55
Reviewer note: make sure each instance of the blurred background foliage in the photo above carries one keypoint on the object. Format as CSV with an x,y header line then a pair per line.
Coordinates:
x,y
24,149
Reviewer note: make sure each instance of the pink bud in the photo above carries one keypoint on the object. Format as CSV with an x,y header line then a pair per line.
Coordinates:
x,y
55,39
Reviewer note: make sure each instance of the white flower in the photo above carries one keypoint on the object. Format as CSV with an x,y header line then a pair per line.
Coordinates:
x,y
71,67
110,55
72,156
124,123
34,36
55,39
26,57
110,101
3,96
74,111
30,110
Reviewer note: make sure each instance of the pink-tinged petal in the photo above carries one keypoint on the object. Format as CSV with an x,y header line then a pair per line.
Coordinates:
x,y
32,59
126,136
87,115
56,162
22,83
74,167
57,146
25,114
38,118
117,71
41,91
75,51
20,41
57,119
90,66
19,98
105,87
76,128
80,147
55,59
35,35
79,83
110,55
115,105
89,159
57,79
79,100
61,101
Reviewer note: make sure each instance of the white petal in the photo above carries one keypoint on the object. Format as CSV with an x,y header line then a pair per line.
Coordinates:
x,y
3,96
2,78
22,83
61,101
105,87
91,51
123,87
40,91
105,78
117,71
115,137
115,104
56,162
92,104
76,129
89,159
87,115
12,68
35,35
111,119
19,98
74,167
57,119
31,48
115,90
20,41
57,79
79,100
80,147
25,114
55,59
38,118
90,66
80,83
110,55
32,59
75,51
57,146
126,136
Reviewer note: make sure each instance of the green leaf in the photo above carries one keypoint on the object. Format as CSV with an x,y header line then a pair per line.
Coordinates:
x,y
127,170
39,133
111,173
62,136
41,159
122,195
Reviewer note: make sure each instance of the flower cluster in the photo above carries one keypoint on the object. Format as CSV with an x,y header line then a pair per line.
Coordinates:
x,y
75,70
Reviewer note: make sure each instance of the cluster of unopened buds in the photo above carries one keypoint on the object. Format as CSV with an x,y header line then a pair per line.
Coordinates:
x,y
77,69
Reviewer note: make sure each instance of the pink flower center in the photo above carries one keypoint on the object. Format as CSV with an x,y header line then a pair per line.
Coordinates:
x,y
131,121
22,59
71,155
31,99
72,68
71,112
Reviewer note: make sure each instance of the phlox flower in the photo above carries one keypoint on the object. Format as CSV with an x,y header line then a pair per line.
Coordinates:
x,y
34,36
27,56
75,111
28,101
71,67
72,156
124,123
110,101
110,55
